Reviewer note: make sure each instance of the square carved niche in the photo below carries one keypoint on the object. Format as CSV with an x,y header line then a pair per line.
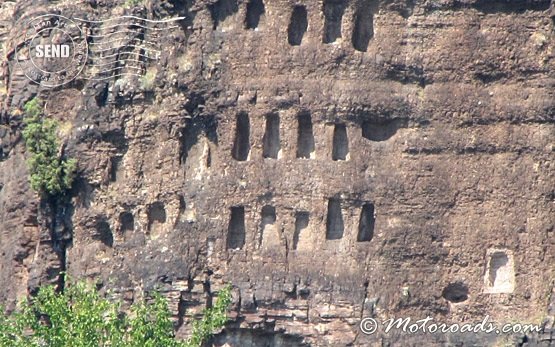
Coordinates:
x,y
500,272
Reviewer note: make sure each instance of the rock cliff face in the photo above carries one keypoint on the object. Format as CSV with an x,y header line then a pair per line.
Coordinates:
x,y
332,160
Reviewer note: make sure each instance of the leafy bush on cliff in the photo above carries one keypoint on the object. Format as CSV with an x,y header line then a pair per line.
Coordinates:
x,y
49,173
81,317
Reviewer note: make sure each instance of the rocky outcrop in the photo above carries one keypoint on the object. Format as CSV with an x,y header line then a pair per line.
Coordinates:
x,y
331,160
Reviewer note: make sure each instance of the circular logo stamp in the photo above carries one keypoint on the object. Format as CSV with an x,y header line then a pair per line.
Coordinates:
x,y
54,50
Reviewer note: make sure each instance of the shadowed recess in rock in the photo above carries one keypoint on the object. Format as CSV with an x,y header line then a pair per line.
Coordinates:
x,y
156,215
268,221
305,136
511,6
297,26
334,221
455,292
271,142
382,130
255,10
236,228
195,141
183,9
221,10
126,222
241,144
363,29
340,141
104,233
301,223
366,223
115,163
500,273
189,137
333,14
256,338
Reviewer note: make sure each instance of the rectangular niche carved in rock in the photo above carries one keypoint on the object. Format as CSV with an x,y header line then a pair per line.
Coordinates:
x,y
334,221
340,150
236,228
241,144
363,29
115,167
104,232
195,151
301,224
305,137
333,14
221,10
366,223
126,222
297,26
255,10
156,216
271,141
268,229
500,272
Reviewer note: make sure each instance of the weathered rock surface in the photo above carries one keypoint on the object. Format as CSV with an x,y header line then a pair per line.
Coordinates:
x,y
332,161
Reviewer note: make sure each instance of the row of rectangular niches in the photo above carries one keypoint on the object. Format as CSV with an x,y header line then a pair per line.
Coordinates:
x,y
360,21
306,149
335,226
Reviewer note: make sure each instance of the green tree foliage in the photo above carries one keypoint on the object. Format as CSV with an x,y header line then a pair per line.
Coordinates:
x,y
213,319
81,317
49,173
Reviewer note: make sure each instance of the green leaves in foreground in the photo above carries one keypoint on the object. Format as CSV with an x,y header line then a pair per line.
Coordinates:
x,y
81,317
49,173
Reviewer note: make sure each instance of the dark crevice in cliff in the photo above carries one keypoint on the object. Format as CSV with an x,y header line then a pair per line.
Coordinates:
x,y
102,94
115,163
475,149
54,215
181,310
195,104
510,6
515,119
363,310
490,76
207,287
